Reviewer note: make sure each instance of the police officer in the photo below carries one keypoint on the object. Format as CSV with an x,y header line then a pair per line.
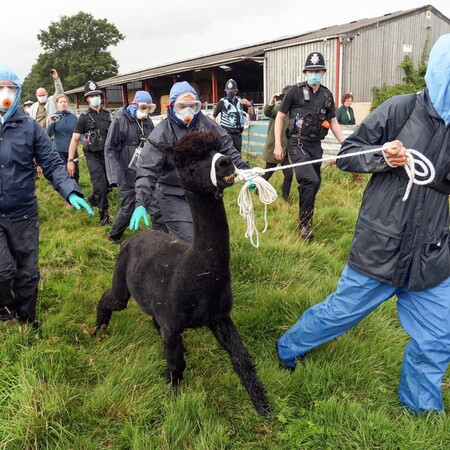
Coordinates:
x,y
311,114
231,109
93,126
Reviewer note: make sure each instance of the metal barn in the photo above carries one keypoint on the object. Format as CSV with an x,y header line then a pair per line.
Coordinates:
x,y
360,55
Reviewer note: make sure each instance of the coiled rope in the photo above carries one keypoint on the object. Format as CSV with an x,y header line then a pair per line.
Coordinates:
x,y
417,165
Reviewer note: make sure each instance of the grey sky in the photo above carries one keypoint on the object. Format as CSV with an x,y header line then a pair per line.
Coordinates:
x,y
160,32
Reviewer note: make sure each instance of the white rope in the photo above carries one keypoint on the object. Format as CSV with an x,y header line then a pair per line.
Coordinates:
x,y
427,170
212,172
267,194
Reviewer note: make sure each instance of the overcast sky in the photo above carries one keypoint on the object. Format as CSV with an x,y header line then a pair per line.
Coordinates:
x,y
160,32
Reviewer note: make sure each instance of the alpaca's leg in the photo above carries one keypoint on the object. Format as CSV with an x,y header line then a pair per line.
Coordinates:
x,y
174,354
156,325
107,304
227,335
116,298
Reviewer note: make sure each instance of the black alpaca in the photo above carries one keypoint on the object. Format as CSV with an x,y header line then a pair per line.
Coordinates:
x,y
187,286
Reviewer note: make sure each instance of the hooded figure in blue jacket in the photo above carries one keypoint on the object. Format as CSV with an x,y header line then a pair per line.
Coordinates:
x,y
157,177
400,249
23,141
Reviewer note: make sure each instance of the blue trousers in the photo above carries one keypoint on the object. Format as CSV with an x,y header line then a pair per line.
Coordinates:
x,y
424,315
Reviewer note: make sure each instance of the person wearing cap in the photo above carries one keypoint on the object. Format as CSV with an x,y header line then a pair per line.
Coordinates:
x,y
126,137
22,141
27,106
400,248
311,110
93,125
270,110
231,109
157,176
45,106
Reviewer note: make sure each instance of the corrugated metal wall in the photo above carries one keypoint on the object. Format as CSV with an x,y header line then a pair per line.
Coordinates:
x,y
285,65
370,58
373,58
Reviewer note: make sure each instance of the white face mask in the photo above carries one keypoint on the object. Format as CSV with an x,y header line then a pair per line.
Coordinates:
x,y
95,102
42,99
27,110
141,115
7,98
185,115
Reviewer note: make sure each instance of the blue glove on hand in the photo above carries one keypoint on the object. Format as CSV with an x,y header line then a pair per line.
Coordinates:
x,y
138,214
78,203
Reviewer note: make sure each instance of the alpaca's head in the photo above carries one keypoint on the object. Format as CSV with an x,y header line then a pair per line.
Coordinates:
x,y
194,156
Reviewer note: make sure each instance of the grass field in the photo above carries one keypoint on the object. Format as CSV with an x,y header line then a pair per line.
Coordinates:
x,y
66,390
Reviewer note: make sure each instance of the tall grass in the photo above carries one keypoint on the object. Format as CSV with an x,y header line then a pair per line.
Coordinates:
x,y
63,389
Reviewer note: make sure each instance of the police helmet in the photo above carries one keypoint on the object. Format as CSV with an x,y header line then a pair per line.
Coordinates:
x,y
314,61
91,88
231,85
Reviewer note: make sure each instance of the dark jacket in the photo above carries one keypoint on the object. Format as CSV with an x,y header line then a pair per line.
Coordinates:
x,y
397,242
122,140
21,140
93,126
309,111
156,165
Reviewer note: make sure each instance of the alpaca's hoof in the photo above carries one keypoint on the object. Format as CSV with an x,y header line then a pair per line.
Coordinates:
x,y
174,378
100,330
263,411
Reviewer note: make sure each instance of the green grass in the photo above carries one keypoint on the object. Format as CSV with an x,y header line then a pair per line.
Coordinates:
x,y
67,390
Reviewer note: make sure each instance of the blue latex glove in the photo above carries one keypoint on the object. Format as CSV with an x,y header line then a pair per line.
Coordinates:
x,y
138,214
79,203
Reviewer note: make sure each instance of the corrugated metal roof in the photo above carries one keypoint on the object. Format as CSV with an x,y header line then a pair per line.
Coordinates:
x,y
255,50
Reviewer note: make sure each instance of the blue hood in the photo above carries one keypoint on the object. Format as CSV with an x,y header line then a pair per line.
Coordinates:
x,y
179,88
182,87
139,97
7,74
437,77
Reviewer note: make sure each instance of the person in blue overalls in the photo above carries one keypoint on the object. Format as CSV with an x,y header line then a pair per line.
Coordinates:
x,y
400,248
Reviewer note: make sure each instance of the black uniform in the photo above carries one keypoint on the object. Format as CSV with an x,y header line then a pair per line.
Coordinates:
x,y
310,115
93,127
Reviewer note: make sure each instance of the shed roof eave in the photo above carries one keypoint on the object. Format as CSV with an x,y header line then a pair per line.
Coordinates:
x,y
151,73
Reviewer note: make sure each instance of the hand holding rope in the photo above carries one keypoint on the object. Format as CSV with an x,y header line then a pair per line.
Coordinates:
x,y
417,165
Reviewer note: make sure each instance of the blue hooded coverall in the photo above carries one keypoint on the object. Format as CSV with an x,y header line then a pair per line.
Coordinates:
x,y
22,143
399,248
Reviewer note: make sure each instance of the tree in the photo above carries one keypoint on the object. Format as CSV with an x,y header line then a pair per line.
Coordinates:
x,y
77,47
413,81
